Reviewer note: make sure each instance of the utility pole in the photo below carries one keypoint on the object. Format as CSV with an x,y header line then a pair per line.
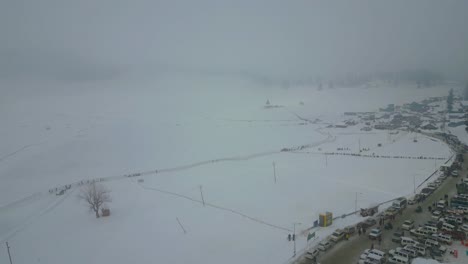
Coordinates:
x,y
355,203
414,183
294,237
201,193
359,142
8,249
274,170
326,160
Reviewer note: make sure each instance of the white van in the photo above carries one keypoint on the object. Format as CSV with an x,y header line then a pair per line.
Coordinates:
x,y
378,253
420,249
420,232
431,229
411,251
398,259
431,243
445,238
407,241
441,204
448,227
400,203
373,258
399,252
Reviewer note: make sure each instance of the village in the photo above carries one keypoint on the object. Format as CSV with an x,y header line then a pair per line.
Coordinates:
x,y
432,223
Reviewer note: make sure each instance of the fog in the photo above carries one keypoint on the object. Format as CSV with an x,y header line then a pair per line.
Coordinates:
x,y
103,39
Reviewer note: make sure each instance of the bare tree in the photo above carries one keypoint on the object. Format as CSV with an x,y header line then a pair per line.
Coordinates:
x,y
95,195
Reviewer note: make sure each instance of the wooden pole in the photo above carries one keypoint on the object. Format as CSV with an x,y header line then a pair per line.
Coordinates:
x,y
8,249
201,193
274,171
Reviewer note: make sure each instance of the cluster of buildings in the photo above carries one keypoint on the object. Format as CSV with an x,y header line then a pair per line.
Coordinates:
x,y
429,114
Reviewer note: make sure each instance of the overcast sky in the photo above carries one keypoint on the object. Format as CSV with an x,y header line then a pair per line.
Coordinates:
x,y
100,38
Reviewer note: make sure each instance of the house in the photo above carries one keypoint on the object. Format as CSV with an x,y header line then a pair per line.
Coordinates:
x,y
417,107
429,126
105,211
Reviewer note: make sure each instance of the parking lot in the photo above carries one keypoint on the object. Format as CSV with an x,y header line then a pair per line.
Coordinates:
x,y
349,251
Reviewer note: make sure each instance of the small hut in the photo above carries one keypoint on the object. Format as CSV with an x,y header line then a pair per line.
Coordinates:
x,y
105,211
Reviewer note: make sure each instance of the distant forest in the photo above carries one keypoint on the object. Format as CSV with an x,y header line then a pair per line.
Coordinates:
x,y
420,78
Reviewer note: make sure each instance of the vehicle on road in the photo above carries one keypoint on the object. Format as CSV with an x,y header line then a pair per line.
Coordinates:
x,y
391,211
397,236
413,253
420,249
337,236
400,203
399,252
368,223
464,227
436,214
407,225
398,259
312,253
407,241
324,245
375,233
349,230
441,204
447,239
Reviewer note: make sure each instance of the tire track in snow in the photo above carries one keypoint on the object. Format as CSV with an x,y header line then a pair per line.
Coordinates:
x,y
33,217
329,138
19,150
217,207
17,203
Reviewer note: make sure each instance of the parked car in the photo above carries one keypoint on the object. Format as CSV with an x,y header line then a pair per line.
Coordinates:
x,y
349,230
407,225
324,245
397,236
464,227
337,236
391,211
312,254
431,223
375,233
368,223
436,214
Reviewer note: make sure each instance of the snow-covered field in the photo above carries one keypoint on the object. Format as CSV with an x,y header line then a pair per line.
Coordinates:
x,y
219,126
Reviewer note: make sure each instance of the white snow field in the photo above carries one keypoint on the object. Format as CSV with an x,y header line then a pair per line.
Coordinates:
x,y
215,133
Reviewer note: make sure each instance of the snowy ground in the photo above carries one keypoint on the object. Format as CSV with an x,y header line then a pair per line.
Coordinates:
x,y
107,129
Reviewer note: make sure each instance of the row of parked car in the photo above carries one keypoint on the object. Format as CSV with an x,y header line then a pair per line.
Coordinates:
x,y
421,241
430,239
324,245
